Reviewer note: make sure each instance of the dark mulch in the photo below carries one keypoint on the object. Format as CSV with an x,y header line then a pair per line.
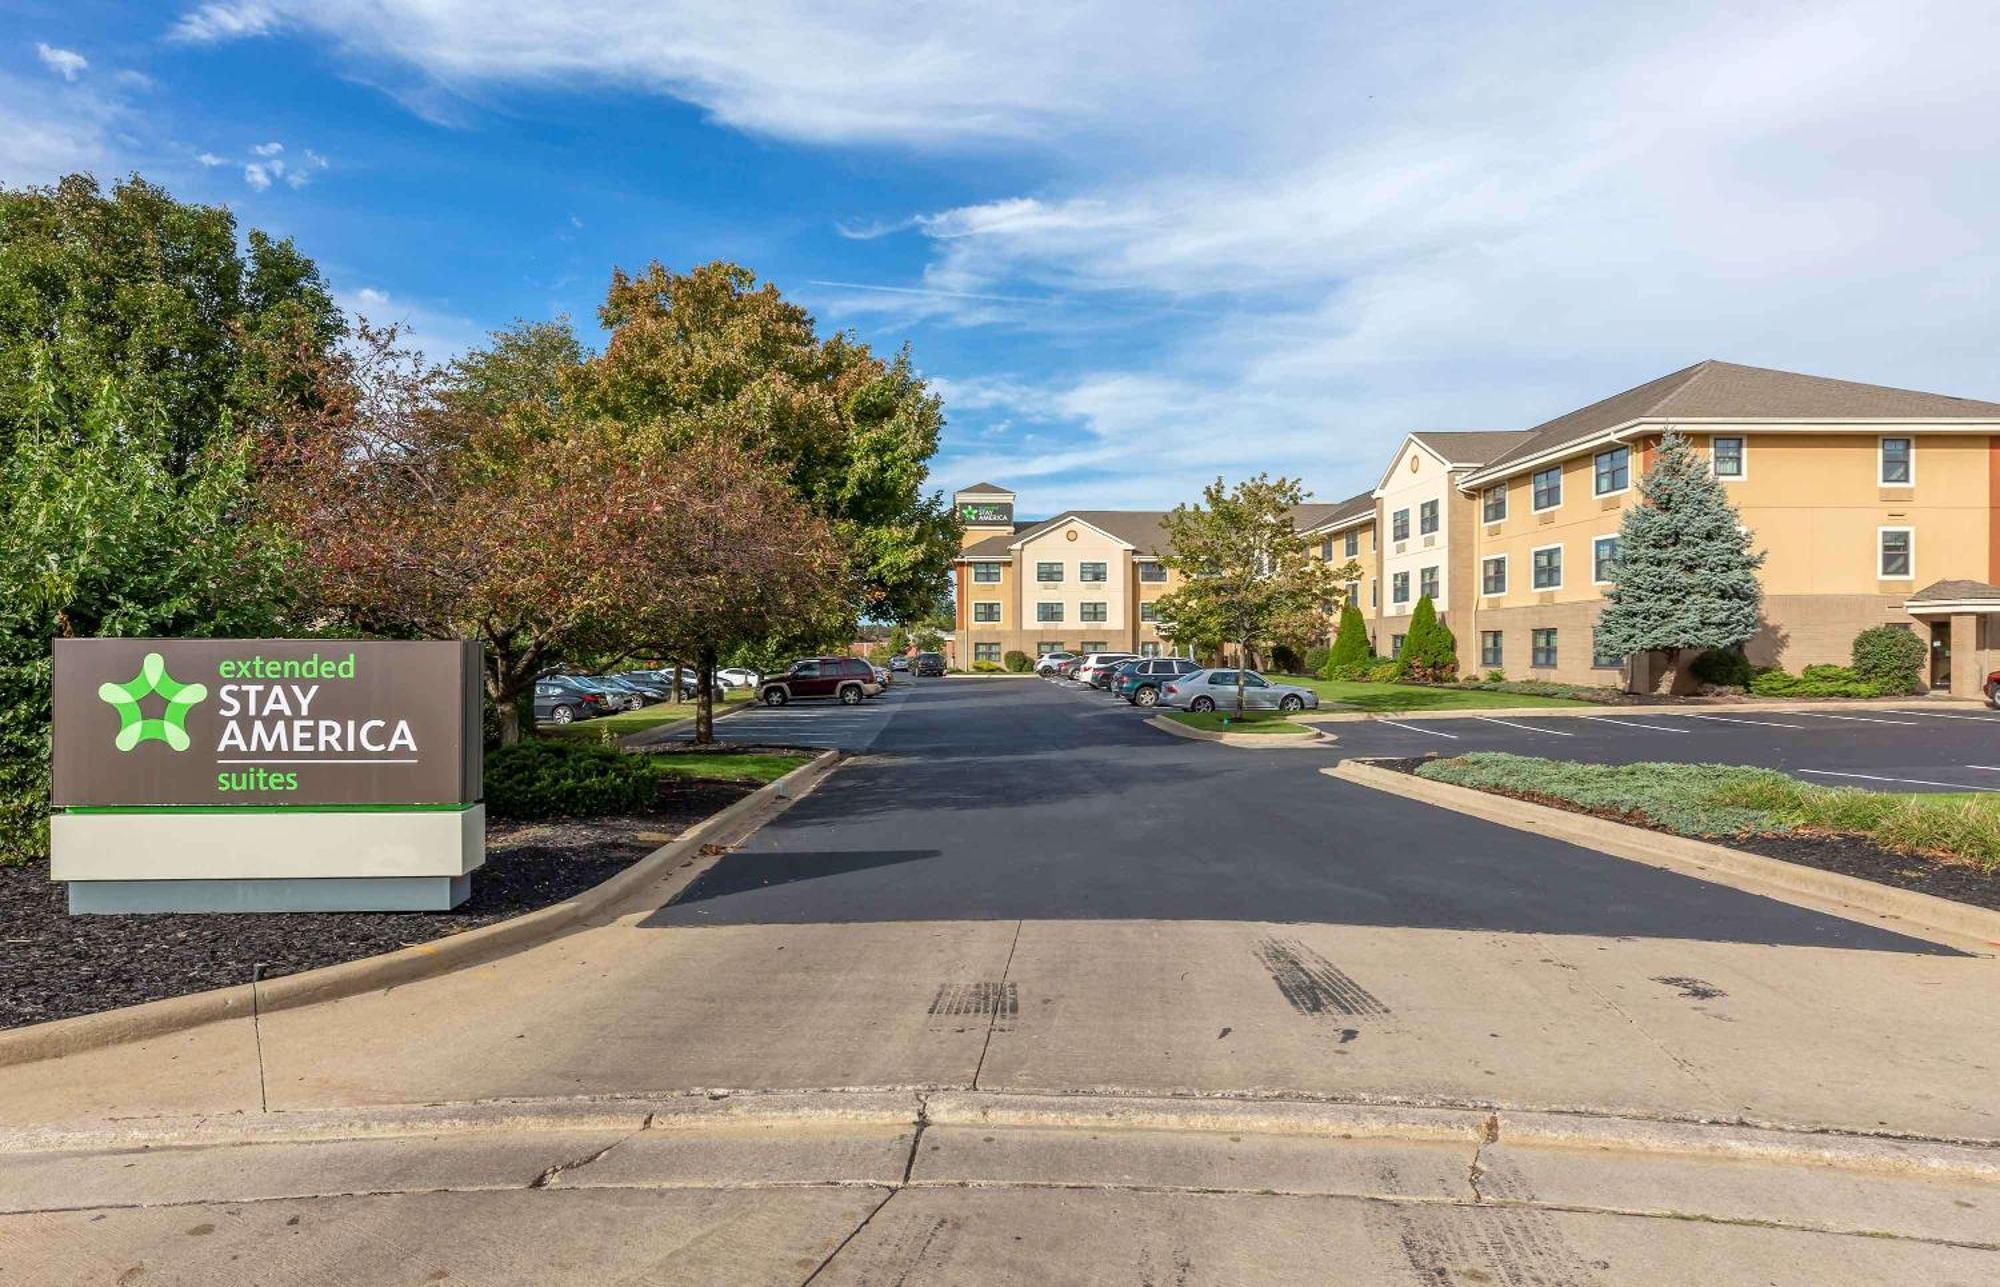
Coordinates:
x,y
54,965
1849,855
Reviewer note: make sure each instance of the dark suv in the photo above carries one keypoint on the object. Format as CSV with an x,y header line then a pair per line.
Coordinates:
x,y
930,665
849,679
1140,684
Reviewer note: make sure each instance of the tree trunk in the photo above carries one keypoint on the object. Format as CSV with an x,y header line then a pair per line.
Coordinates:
x,y
1242,654
704,711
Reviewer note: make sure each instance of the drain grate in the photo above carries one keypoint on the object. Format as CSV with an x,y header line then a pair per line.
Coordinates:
x,y
956,1000
1311,983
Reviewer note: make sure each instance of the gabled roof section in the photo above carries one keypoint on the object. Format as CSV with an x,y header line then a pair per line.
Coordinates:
x,y
1138,528
1469,448
1715,390
982,489
1313,517
1956,592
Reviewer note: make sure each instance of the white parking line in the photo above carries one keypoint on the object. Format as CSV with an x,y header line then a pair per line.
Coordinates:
x,y
1870,777
1530,727
1414,729
1985,768
1858,719
1984,719
1731,719
1632,723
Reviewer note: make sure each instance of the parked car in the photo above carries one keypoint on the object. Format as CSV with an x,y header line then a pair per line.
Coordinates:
x,y
847,679
614,697
667,680
1097,662
899,663
649,689
1047,663
738,677
881,675
1140,683
1115,674
558,701
1067,667
930,665
1993,690
1208,690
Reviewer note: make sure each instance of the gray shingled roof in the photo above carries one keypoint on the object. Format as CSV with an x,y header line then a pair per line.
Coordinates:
x,y
1471,446
1315,515
1715,390
1955,592
1138,527
983,488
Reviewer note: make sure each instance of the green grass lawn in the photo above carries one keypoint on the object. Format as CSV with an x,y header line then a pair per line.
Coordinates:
x,y
1247,722
607,727
757,767
1389,698
1715,801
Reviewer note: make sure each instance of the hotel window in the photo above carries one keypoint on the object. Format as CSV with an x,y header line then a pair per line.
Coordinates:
x,y
986,652
1152,572
1726,454
1896,464
1427,583
1089,646
986,573
1149,611
1427,518
1048,612
1090,571
1399,588
1048,572
1353,543
1326,549
1374,594
1490,654
1603,559
1895,552
985,612
1493,575
1549,488
1614,470
1396,645
1543,651
1093,612
1399,525
1549,568
1046,647
1601,657
1493,503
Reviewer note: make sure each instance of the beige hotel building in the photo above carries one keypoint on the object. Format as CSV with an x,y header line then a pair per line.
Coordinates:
x,y
1873,506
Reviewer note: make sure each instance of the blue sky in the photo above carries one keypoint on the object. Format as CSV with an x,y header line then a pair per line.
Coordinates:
x,y
1136,245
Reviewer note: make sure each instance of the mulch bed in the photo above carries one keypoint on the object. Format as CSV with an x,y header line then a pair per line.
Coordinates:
x,y
1849,855
54,965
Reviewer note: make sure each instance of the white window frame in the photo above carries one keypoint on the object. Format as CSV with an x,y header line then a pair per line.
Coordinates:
x,y
978,568
1506,576
1399,580
1040,564
1352,547
1042,618
1562,568
1596,541
1436,591
1557,469
1615,491
1081,579
1881,458
1908,531
1436,517
1399,525
1103,616
986,603
1742,456
1487,492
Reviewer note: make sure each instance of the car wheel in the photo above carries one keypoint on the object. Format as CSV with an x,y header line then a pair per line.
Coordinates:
x,y
562,714
1202,705
775,697
850,696
1147,696
1292,703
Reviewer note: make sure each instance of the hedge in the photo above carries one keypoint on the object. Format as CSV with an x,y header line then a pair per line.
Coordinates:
x,y
551,778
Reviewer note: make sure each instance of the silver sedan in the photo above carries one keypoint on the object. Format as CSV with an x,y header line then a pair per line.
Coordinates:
x,y
1212,690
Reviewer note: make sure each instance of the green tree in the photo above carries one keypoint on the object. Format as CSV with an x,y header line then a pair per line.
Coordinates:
x,y
102,534
712,353
1430,650
1248,577
200,335
1686,573
1351,649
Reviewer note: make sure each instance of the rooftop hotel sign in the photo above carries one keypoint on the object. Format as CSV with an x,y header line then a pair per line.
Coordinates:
x,y
285,769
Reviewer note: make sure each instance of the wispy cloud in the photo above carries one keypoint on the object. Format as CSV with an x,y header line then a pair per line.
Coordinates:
x,y
273,166
237,20
437,330
66,63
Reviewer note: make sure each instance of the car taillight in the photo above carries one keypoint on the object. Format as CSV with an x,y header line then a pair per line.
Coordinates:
x,y
1173,688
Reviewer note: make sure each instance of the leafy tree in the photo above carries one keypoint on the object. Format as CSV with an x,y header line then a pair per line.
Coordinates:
x,y
1248,577
1430,650
1351,649
200,336
710,353
101,534
1686,575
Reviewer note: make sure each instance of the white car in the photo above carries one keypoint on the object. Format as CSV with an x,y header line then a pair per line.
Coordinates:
x,y
1211,690
738,677
1098,663
1045,665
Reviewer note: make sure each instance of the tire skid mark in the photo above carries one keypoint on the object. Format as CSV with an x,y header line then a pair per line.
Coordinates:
x,y
1312,984
1512,1247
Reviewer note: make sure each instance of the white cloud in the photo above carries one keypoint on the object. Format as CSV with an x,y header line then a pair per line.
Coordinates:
x,y
44,136
268,149
209,23
433,329
273,166
210,159
66,63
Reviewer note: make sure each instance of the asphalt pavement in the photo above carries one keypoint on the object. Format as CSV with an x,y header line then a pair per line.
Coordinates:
x,y
1010,800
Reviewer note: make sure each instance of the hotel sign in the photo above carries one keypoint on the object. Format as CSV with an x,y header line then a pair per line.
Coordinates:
x,y
986,513
265,722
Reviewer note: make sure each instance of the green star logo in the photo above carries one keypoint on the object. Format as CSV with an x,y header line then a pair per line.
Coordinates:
x,y
152,678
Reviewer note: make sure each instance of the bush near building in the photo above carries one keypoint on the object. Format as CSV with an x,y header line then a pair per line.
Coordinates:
x,y
550,778
1352,654
1890,657
1018,662
1430,650
1820,681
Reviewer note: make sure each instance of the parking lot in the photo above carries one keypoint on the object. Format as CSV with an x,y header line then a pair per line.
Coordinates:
x,y
825,724
1901,748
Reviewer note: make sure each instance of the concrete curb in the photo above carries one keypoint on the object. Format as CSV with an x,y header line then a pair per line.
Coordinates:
x,y
1261,741
1093,1113
597,905
1957,925
1879,705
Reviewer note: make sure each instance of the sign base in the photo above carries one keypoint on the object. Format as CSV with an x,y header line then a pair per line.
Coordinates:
x,y
330,894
